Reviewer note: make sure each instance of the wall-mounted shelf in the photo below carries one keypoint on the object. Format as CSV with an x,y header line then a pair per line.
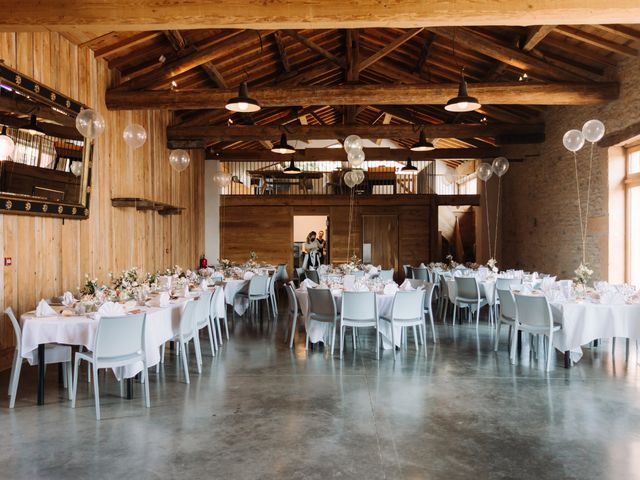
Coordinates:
x,y
143,204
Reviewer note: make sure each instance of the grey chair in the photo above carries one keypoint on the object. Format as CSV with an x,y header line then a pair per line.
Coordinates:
x,y
407,271
386,275
300,274
322,308
294,311
507,315
420,273
468,296
312,275
533,315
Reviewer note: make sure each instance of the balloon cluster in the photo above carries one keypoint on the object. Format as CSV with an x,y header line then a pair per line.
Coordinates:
x,y
222,179
353,147
353,178
592,131
499,166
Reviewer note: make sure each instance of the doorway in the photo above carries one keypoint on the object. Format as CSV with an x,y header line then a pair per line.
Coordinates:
x,y
302,226
457,230
380,240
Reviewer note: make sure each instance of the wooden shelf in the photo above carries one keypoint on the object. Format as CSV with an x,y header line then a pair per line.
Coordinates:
x,y
143,204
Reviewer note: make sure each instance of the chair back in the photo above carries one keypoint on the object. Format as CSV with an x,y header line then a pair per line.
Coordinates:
x,y
468,288
415,283
429,288
281,273
358,273
386,275
359,306
420,273
312,275
16,327
507,303
533,311
215,299
188,319
120,336
407,271
291,296
300,274
259,285
506,283
349,282
322,305
408,305
204,308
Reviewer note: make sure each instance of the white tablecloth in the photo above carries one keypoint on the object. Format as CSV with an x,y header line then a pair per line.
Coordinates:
x,y
231,287
320,331
584,322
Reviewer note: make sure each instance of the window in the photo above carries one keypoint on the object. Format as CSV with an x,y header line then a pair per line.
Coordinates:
x,y
633,215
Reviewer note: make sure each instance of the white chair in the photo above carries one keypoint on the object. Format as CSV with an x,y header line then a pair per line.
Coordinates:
x,y
533,315
293,310
468,296
53,354
408,311
215,318
322,308
359,310
386,275
258,290
187,331
120,342
507,314
203,318
502,284
429,289
420,273
273,300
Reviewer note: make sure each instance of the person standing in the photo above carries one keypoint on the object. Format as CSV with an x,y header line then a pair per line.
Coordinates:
x,y
311,252
323,247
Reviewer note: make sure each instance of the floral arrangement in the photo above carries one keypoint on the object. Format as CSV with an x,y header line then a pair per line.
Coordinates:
x,y
90,286
492,264
252,262
451,263
583,274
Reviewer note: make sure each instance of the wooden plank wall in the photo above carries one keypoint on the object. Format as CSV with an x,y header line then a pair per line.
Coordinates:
x,y
50,256
264,224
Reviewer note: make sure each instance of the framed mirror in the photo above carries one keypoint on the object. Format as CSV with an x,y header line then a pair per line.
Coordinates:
x,y
45,163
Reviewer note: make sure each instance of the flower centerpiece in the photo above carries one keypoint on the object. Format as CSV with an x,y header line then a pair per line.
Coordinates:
x,y
492,263
451,263
126,283
90,286
583,274
252,262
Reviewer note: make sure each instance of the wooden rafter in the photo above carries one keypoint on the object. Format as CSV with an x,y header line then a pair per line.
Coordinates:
x,y
535,35
424,52
128,42
282,51
311,45
623,31
383,52
596,41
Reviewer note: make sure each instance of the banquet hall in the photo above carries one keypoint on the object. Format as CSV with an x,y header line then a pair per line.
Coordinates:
x,y
308,240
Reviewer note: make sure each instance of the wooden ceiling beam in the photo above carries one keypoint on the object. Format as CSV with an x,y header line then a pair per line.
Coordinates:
x,y
515,93
282,51
181,47
352,40
311,45
535,35
398,42
129,42
424,52
622,31
145,15
175,38
596,41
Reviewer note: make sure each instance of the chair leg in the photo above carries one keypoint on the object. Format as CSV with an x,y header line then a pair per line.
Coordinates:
x,y
69,378
185,365
196,345
497,339
213,349
96,391
455,310
145,378
433,327
13,367
378,342
393,341
514,341
342,328
216,323
353,337
121,375
550,350
415,337
333,338
293,330
15,381
75,382
477,315
226,327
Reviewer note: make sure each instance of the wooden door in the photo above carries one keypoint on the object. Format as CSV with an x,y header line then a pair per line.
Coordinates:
x,y
381,233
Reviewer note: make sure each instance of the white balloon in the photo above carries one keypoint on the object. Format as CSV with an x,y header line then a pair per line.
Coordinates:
x,y
573,140
355,158
358,176
222,179
90,123
484,171
76,168
449,178
134,135
593,131
500,166
349,180
352,143
179,159
7,146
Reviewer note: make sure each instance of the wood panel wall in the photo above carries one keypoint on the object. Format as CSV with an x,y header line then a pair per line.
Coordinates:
x,y
49,255
264,224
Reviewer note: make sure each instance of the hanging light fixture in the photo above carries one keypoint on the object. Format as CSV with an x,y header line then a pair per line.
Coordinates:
x,y
292,169
409,169
243,102
32,127
282,146
463,102
422,144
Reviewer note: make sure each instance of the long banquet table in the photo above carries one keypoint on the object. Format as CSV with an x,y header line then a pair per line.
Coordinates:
x,y
162,324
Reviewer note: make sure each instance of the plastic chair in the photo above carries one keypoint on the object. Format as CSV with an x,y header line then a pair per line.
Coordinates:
x,y
507,313
203,319
186,333
468,296
215,318
312,275
533,315
420,273
408,311
386,275
359,310
503,284
293,310
407,271
322,308
300,274
429,289
120,341
258,291
53,354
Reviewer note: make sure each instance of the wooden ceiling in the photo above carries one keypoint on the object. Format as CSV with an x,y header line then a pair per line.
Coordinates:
x,y
382,78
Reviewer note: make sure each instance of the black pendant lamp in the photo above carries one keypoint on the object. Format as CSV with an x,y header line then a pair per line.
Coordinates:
x,y
32,127
292,169
422,145
463,102
282,146
243,103
409,169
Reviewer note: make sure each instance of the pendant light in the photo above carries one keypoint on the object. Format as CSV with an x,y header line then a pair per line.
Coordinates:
x,y
409,169
243,103
463,102
32,127
292,169
282,146
422,145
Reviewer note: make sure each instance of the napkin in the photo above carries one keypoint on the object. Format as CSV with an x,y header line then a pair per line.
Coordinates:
x,y
110,309
361,287
422,265
308,283
163,299
390,289
373,271
406,286
248,275
348,282
67,299
130,305
44,310
204,285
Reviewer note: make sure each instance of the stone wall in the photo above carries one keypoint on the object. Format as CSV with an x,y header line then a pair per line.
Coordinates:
x,y
540,229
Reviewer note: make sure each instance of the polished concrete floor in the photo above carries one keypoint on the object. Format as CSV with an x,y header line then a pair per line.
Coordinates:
x,y
261,411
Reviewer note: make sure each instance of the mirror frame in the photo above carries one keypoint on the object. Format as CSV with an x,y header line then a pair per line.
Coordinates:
x,y
26,205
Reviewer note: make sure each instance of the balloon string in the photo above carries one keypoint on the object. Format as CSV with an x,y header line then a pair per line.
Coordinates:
x,y
586,216
350,221
486,207
575,162
495,243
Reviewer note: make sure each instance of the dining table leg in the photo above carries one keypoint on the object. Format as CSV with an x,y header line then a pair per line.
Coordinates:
x,y
567,359
41,367
129,388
